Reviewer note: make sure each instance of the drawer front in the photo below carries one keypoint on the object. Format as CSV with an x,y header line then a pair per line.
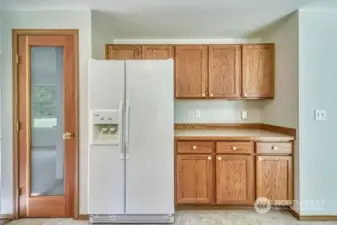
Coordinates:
x,y
234,147
194,147
274,148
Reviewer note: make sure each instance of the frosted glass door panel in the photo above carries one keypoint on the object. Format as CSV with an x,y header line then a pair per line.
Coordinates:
x,y
47,121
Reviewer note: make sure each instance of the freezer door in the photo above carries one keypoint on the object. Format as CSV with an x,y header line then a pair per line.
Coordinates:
x,y
149,137
105,164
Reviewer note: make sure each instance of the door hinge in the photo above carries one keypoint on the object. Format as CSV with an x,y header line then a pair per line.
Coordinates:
x,y
17,59
20,191
18,126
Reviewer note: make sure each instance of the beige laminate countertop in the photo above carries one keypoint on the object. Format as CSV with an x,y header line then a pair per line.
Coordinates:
x,y
230,134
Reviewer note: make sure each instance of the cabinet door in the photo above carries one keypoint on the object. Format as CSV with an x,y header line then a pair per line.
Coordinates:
x,y
274,177
156,52
123,52
224,71
234,179
194,179
258,71
190,71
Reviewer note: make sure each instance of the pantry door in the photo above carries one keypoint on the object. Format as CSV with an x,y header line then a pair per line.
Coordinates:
x,y
47,124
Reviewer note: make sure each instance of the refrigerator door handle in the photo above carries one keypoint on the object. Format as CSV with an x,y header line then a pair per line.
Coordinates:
x,y
127,125
120,127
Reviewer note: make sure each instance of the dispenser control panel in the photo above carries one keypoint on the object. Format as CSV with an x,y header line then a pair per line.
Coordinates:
x,y
105,127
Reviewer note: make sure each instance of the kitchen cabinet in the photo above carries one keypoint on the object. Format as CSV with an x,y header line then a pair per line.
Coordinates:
x,y
232,171
190,71
258,71
194,179
123,52
228,71
224,73
274,177
234,179
152,52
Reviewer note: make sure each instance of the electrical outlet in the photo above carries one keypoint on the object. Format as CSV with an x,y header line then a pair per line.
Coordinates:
x,y
320,114
244,115
197,113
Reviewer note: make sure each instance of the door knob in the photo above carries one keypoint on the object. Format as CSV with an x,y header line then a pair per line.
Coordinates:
x,y
67,135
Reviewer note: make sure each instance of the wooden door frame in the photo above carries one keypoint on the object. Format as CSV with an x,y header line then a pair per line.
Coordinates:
x,y
15,107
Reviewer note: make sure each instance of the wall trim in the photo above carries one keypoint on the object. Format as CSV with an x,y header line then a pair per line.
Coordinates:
x,y
83,217
15,34
6,216
312,217
186,40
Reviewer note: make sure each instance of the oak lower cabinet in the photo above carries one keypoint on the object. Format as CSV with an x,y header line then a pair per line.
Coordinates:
x,y
274,178
235,179
194,179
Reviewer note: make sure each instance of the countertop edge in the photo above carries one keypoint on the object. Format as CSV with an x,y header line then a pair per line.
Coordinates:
x,y
233,138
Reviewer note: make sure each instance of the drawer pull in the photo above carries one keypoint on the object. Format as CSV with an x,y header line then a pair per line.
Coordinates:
x,y
209,157
219,158
194,147
274,147
234,148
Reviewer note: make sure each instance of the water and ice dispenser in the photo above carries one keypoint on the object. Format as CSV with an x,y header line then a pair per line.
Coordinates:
x,y
105,127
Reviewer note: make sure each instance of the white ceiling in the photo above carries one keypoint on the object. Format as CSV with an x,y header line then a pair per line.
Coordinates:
x,y
175,18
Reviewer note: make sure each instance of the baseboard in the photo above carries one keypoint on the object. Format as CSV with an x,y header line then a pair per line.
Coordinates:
x,y
6,216
83,217
313,217
294,213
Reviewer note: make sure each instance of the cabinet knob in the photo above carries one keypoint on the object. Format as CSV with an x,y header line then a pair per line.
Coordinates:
x,y
209,157
234,148
194,147
260,158
219,158
211,95
203,95
274,147
245,95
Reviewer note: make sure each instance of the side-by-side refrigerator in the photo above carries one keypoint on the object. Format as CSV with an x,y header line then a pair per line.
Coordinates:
x,y
131,141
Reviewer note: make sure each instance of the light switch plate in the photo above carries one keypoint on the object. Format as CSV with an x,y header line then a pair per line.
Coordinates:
x,y
197,113
320,114
244,115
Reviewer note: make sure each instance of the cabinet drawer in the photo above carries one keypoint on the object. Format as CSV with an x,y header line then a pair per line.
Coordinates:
x,y
274,148
194,147
234,147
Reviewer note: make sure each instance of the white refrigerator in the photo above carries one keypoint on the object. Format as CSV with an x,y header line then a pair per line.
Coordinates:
x,y
131,143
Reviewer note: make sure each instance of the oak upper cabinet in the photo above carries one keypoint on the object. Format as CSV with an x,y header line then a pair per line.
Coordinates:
x,y
157,52
224,71
258,71
235,179
194,179
123,52
191,71
274,177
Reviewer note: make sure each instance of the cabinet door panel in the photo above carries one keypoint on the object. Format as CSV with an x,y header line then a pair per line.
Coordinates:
x,y
190,71
234,179
152,52
194,179
258,71
224,71
274,177
123,52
